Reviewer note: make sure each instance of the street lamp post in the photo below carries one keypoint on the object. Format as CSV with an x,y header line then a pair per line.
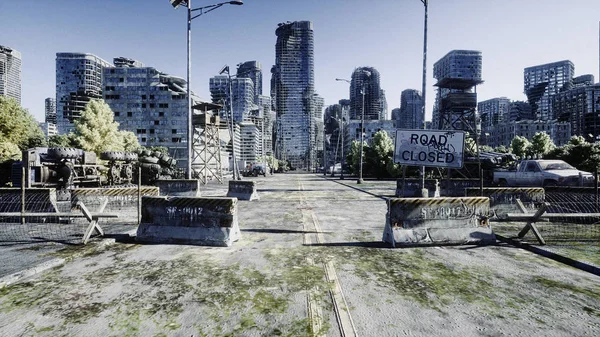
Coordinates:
x,y
203,10
362,134
231,122
423,88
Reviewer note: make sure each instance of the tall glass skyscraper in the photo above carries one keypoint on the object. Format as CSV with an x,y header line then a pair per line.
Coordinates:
x,y
294,94
10,73
78,80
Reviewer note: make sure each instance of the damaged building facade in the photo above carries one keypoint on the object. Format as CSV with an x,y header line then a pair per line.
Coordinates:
x,y
297,106
149,103
10,73
78,80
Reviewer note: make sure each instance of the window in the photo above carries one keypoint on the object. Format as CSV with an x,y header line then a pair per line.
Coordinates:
x,y
143,105
161,114
121,79
152,105
156,123
151,96
117,114
174,131
143,96
151,131
129,114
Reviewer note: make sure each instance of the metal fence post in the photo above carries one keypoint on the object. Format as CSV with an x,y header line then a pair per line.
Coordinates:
x,y
139,203
23,169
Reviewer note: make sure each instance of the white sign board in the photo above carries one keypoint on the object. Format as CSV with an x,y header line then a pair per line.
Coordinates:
x,y
436,148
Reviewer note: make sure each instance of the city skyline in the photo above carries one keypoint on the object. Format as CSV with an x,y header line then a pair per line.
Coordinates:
x,y
387,35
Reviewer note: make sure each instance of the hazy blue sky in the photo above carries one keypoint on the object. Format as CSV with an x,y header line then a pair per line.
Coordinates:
x,y
385,34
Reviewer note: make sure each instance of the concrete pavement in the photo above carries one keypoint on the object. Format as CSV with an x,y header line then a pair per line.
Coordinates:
x,y
310,263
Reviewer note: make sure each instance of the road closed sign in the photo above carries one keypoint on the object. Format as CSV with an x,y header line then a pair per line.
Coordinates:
x,y
435,148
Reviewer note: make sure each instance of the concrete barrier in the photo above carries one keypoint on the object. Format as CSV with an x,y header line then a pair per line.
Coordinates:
x,y
189,220
434,221
179,187
504,199
123,200
242,189
37,200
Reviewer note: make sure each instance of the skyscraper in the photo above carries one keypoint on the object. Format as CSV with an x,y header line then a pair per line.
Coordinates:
x,y
78,80
369,78
10,73
544,81
253,71
50,110
294,88
411,110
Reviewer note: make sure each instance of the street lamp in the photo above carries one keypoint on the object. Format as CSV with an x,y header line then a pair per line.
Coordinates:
x,y
203,10
363,91
230,124
423,88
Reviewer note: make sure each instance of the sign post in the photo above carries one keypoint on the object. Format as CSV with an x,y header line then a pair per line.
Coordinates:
x,y
431,148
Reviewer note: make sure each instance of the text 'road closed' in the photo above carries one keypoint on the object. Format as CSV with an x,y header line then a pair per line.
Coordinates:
x,y
435,148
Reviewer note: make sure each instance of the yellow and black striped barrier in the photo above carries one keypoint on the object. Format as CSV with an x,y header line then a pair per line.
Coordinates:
x,y
208,221
114,192
434,221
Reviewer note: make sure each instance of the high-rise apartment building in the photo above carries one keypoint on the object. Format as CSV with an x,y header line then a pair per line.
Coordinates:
x,y
410,115
294,88
50,110
151,104
10,73
544,81
366,78
78,80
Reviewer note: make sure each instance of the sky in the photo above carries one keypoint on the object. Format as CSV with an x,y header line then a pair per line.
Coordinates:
x,y
384,34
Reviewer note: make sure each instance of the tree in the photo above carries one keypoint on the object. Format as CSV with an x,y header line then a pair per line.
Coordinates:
x,y
541,144
502,149
520,146
9,151
379,154
129,141
17,126
97,131
63,140
353,157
